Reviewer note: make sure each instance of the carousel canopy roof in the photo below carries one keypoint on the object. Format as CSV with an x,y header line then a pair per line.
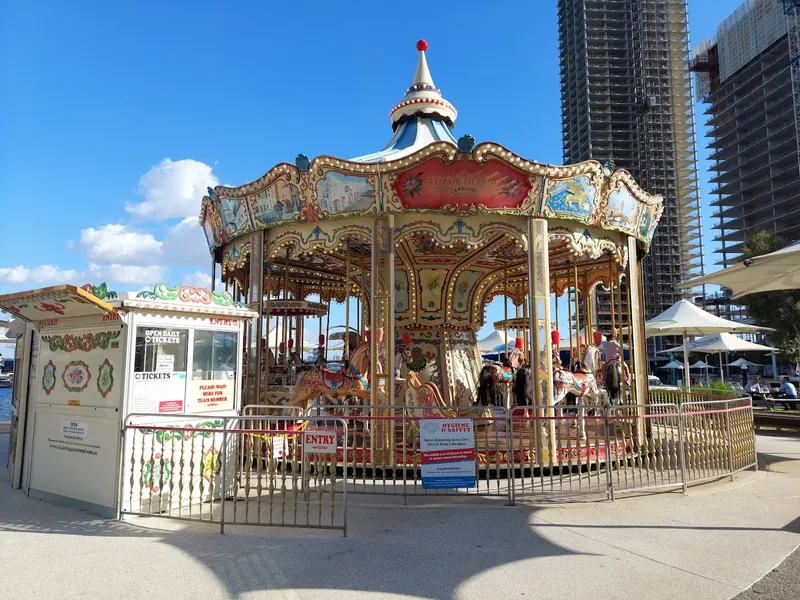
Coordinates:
x,y
422,118
425,171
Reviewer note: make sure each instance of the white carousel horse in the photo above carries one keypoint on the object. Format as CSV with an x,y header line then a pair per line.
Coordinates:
x,y
585,389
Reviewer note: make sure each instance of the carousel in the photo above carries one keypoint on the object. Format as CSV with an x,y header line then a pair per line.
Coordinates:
x,y
416,240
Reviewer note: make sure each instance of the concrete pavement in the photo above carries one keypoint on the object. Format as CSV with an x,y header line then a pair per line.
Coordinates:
x,y
713,542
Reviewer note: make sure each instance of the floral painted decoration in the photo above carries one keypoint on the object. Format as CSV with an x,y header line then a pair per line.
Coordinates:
x,y
156,473
76,376
412,186
105,378
87,342
212,464
49,377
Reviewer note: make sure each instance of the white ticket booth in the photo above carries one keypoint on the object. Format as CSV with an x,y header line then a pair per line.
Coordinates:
x,y
93,357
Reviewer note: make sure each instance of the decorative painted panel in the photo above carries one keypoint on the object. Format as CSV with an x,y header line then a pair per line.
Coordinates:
x,y
571,197
235,216
462,291
401,291
340,193
622,209
278,202
431,289
464,366
423,355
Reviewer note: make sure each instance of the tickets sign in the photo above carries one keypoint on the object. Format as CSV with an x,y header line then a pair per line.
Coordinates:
x,y
447,448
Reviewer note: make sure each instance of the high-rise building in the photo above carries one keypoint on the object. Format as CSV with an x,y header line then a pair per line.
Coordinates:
x,y
626,96
744,77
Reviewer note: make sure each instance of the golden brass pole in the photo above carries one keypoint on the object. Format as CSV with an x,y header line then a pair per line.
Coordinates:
x,y
268,293
347,300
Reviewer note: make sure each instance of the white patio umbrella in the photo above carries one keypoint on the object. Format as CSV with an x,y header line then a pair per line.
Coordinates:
x,y
719,343
685,319
743,362
779,270
672,365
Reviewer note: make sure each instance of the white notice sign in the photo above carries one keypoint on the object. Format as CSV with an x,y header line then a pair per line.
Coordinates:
x,y
165,363
319,442
71,429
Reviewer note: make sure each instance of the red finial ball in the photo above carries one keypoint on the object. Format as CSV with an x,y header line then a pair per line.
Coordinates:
x,y
422,45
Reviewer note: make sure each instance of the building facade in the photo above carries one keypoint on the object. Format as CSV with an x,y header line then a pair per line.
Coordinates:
x,y
743,76
626,97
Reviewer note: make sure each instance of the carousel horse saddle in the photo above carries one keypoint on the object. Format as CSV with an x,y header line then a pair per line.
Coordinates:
x,y
338,379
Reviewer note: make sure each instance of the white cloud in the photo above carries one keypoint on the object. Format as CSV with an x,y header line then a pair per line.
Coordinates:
x,y
173,189
43,274
115,243
128,274
185,245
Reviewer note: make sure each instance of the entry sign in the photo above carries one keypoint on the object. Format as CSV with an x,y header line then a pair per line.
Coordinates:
x,y
319,442
448,453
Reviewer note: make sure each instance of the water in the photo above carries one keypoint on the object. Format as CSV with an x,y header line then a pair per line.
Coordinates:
x,y
5,404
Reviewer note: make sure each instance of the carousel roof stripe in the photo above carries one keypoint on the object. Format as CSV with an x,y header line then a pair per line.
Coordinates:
x,y
411,135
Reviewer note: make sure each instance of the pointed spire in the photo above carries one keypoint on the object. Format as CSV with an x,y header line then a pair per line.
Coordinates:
x,y
423,98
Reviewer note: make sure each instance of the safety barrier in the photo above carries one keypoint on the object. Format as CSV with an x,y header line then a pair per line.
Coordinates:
x,y
537,451
272,470
385,456
279,466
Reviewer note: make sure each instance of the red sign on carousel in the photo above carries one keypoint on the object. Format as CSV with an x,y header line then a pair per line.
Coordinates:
x,y
433,184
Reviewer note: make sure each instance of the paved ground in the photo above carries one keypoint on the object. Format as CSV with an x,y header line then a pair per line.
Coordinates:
x,y
782,583
712,543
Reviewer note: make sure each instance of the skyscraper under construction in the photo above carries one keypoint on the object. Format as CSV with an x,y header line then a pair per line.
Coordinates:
x,y
626,97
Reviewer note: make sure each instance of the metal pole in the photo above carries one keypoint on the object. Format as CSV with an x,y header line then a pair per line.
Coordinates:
x,y
268,296
347,300
730,439
224,473
682,442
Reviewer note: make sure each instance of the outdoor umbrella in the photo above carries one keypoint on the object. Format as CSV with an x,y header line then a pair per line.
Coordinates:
x,y
743,362
685,319
493,344
779,270
672,365
719,343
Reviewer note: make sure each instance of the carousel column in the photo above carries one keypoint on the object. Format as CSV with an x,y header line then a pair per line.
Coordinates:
x,y
638,357
382,336
255,330
539,278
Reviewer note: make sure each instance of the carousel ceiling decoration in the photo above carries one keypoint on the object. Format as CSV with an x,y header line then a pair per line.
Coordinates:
x,y
424,169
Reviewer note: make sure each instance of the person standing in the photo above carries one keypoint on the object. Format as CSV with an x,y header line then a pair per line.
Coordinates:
x,y
790,393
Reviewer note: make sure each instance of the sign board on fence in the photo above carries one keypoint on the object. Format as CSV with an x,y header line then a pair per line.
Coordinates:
x,y
319,442
447,447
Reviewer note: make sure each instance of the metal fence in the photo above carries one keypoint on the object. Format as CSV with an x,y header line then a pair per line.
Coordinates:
x,y
242,470
258,468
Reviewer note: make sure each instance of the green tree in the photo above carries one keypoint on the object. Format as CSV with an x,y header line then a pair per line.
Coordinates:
x,y
779,310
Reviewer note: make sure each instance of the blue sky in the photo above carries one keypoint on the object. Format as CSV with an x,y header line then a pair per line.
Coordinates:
x,y
116,116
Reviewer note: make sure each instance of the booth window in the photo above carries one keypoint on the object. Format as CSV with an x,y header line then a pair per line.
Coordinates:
x,y
214,355
161,349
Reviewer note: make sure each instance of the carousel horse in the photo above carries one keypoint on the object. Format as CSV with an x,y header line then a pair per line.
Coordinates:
x,y
353,380
425,401
583,386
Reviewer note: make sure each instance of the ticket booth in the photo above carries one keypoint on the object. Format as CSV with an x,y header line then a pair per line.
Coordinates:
x,y
95,357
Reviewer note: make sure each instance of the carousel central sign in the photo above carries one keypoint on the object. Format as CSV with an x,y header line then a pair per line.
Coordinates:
x,y
434,184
